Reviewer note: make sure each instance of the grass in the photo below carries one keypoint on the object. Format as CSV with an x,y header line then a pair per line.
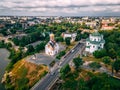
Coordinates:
x,y
91,58
25,74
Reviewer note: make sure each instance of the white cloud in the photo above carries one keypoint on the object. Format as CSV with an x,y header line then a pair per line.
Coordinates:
x,y
63,6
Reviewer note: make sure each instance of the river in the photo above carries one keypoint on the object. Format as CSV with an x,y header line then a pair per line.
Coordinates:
x,y
3,63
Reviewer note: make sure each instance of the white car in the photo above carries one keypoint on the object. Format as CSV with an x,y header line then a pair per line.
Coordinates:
x,y
72,50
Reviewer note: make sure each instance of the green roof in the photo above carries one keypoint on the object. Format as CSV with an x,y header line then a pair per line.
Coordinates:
x,y
95,42
96,34
87,46
103,41
87,39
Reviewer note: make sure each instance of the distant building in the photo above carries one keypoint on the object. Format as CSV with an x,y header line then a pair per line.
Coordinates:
x,y
70,35
106,27
51,47
91,24
94,42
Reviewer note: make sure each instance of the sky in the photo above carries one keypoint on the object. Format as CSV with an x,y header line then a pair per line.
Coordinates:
x,y
60,7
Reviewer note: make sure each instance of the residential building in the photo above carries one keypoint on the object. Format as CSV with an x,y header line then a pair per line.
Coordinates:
x,y
70,35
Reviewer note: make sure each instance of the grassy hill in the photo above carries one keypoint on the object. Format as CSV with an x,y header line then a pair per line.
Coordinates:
x,y
24,75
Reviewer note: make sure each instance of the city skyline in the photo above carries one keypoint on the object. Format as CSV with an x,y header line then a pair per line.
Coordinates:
x,y
60,8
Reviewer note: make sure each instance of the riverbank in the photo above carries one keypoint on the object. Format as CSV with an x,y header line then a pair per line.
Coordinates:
x,y
24,75
4,54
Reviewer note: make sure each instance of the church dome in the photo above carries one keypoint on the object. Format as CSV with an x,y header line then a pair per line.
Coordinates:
x,y
96,34
51,35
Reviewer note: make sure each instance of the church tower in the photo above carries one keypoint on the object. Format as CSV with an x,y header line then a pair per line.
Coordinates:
x,y
52,37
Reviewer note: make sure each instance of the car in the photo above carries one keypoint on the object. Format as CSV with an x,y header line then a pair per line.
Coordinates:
x,y
72,50
65,56
52,73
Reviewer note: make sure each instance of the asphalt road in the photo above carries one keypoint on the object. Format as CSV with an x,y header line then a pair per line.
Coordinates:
x,y
51,77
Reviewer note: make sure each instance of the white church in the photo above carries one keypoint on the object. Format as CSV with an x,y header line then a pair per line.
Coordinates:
x,y
94,42
51,47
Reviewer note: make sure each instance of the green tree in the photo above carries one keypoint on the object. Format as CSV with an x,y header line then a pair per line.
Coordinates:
x,y
112,53
67,40
116,65
40,47
30,49
62,53
82,85
65,70
77,62
106,60
100,53
59,39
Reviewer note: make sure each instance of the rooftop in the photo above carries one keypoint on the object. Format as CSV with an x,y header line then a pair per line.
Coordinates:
x,y
95,42
96,33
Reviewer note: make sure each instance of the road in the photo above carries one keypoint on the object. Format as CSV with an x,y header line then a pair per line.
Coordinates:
x,y
50,78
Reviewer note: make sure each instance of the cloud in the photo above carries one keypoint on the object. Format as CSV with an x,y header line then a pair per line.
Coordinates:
x,y
59,7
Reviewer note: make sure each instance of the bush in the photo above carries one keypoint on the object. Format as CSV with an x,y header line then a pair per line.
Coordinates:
x,y
106,60
52,63
100,53
67,40
22,83
9,66
95,65
77,62
62,53
65,70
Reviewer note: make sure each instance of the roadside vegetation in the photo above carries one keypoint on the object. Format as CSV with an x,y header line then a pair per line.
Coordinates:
x,y
24,75
60,54
80,79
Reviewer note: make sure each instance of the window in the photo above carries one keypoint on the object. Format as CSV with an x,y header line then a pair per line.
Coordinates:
x,y
93,46
98,47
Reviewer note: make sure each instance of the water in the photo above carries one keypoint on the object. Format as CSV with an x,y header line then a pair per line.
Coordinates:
x,y
3,63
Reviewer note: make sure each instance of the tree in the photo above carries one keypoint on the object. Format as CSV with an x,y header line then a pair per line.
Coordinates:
x,y
82,85
116,65
67,40
84,35
30,49
59,39
106,60
62,53
112,53
40,47
65,70
77,62
100,53
78,37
